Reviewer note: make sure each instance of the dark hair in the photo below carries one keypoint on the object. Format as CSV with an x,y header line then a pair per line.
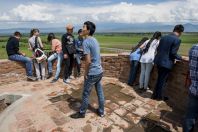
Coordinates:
x,y
178,28
139,43
156,35
17,34
79,31
50,37
34,30
91,27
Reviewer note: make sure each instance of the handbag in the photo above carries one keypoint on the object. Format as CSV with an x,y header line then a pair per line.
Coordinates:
x,y
71,49
38,53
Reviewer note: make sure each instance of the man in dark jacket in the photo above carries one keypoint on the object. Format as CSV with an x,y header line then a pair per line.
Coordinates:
x,y
14,54
165,58
68,48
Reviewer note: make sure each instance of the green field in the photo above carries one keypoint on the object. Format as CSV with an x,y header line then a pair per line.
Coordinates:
x,y
107,40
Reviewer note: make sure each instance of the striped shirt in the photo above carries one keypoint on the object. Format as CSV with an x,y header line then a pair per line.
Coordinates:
x,y
193,58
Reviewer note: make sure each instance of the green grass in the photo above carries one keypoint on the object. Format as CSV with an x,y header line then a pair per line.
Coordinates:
x,y
117,40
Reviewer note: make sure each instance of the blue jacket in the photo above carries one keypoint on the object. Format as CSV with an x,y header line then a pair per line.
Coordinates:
x,y
167,51
135,55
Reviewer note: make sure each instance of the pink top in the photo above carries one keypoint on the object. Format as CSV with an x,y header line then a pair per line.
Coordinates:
x,y
56,46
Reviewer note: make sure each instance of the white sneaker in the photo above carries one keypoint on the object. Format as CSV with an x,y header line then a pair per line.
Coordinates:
x,y
67,81
71,77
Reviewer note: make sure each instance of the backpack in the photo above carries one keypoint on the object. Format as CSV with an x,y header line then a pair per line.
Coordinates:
x,y
70,45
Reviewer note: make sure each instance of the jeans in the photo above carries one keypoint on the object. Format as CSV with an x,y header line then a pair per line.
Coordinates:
x,y
59,57
133,71
191,115
145,74
78,62
161,81
68,66
23,59
40,69
88,83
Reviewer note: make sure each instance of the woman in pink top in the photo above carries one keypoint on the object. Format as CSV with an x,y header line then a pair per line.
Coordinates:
x,y
57,54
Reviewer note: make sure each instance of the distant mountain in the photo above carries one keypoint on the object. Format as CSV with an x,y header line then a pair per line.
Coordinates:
x,y
149,27
112,27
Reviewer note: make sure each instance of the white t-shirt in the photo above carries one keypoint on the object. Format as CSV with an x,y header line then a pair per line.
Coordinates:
x,y
149,56
32,42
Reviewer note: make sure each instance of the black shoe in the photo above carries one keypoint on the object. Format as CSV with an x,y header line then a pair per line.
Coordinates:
x,y
77,115
100,114
165,98
49,75
54,80
129,84
141,88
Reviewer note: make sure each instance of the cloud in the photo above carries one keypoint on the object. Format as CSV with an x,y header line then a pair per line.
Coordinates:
x,y
32,12
177,11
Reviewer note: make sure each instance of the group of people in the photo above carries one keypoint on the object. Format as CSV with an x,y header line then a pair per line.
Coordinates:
x,y
162,51
159,50
70,51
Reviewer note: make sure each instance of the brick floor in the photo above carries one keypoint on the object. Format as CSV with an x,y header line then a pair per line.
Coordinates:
x,y
47,108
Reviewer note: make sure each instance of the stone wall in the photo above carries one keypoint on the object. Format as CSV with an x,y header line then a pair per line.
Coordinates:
x,y
118,66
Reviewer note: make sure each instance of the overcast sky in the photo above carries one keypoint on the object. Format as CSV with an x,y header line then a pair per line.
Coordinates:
x,y
56,13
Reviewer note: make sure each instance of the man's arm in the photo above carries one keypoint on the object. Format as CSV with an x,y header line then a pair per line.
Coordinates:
x,y
40,42
64,49
16,48
64,41
87,52
87,64
193,63
174,50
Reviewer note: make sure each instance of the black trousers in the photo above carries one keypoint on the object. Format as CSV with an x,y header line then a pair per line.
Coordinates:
x,y
68,66
161,81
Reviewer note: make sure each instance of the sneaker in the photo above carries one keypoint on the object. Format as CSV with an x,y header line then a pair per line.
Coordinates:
x,y
100,114
77,115
31,78
66,80
49,75
54,80
43,78
71,77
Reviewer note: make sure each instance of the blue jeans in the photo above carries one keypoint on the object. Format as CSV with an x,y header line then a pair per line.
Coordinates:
x,y
133,71
59,57
192,114
23,59
145,74
88,83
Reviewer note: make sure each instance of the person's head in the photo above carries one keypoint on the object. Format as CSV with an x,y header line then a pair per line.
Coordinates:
x,y
80,32
69,28
178,29
140,43
34,32
17,35
157,35
88,28
50,37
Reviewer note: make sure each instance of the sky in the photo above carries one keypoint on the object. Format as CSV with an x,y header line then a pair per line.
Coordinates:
x,y
57,13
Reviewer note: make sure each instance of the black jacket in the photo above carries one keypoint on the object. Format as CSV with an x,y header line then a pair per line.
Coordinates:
x,y
12,46
67,39
167,51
